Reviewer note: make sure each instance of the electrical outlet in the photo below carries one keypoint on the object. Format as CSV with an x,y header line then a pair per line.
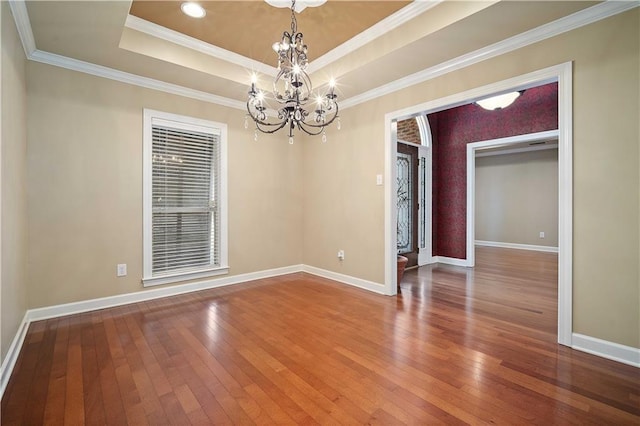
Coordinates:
x,y
121,270
541,234
341,254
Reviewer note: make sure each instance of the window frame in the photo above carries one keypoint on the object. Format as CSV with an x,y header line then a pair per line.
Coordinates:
x,y
181,122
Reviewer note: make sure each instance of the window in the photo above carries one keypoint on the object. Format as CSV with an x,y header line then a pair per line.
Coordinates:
x,y
184,209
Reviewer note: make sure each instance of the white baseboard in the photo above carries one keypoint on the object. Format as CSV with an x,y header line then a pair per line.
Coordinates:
x,y
592,345
39,314
121,299
345,279
606,349
9,361
451,261
140,296
516,246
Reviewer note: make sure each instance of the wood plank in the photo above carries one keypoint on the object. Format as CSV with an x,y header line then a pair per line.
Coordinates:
x,y
455,346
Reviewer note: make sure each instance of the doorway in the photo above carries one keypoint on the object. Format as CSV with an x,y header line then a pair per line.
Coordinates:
x,y
562,74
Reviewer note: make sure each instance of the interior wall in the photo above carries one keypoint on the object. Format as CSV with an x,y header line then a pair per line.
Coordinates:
x,y
517,197
13,178
85,186
536,110
342,203
606,164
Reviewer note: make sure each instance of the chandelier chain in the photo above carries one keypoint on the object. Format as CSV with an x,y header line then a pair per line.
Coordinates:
x,y
294,22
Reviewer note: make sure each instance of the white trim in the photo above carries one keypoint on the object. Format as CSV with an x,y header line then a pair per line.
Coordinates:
x,y
605,349
23,24
602,348
183,40
136,80
184,276
424,128
517,150
584,17
565,187
471,176
3,361
415,145
451,261
152,117
386,25
390,206
517,246
9,361
55,311
565,204
425,254
560,73
141,296
345,279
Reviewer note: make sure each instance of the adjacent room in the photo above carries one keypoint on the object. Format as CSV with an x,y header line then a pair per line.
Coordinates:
x,y
305,212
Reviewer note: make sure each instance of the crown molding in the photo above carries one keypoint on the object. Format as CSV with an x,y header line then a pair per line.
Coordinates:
x,y
576,20
23,25
136,80
389,23
579,19
386,25
158,31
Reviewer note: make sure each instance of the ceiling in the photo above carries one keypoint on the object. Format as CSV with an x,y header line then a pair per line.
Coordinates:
x,y
238,25
363,44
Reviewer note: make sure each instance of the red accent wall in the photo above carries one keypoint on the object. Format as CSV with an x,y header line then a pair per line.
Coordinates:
x,y
536,110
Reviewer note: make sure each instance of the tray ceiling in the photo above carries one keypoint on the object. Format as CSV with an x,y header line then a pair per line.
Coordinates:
x,y
213,58
249,28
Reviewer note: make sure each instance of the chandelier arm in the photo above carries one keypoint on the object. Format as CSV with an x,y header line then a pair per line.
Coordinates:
x,y
279,124
326,122
303,126
269,131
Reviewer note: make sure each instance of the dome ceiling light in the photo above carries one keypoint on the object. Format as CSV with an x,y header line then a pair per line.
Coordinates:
x,y
500,101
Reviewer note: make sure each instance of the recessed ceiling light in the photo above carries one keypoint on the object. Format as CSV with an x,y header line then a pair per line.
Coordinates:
x,y
193,9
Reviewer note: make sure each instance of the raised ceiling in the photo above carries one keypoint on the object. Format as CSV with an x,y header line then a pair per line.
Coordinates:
x,y
249,28
213,58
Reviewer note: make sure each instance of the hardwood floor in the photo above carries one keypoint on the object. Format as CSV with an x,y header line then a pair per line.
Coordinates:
x,y
456,346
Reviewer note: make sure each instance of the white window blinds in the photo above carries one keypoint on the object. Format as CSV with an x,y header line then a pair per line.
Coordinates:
x,y
184,209
185,203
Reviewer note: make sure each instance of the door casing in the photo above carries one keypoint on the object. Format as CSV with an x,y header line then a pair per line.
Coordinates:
x,y
562,74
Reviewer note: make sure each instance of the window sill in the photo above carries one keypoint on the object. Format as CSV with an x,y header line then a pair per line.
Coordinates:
x,y
184,276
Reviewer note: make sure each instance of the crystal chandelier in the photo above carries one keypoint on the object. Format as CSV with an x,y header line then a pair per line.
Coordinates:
x,y
296,107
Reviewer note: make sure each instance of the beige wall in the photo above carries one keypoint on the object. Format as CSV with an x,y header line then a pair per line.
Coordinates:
x,y
517,197
300,204
13,217
606,282
85,186
343,207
